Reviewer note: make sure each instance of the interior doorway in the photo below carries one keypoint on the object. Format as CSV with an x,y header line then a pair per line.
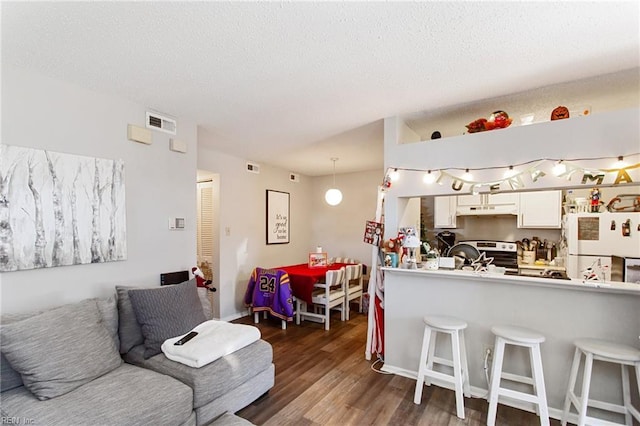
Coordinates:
x,y
207,235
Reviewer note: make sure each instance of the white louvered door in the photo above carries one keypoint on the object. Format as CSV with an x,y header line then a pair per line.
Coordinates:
x,y
205,229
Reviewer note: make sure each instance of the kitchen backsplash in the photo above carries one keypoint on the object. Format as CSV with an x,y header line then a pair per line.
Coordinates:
x,y
500,228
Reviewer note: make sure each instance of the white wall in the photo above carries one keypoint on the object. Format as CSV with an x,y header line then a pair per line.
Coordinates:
x,y
340,229
242,204
607,92
42,113
242,197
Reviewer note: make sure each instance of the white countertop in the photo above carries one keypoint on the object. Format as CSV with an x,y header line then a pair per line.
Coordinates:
x,y
574,284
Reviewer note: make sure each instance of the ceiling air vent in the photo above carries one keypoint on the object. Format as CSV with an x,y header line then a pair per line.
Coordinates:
x,y
294,177
253,168
158,122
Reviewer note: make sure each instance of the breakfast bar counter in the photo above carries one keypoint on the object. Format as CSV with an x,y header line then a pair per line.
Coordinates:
x,y
562,310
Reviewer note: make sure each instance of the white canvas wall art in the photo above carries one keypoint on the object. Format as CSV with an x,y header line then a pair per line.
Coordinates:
x,y
59,209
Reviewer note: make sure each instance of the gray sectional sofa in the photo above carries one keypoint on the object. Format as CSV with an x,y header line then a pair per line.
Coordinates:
x,y
84,363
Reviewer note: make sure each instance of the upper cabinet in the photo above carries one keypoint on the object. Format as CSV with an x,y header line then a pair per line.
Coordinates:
x,y
444,215
542,209
487,204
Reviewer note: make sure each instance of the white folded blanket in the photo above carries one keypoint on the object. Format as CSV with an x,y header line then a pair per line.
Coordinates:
x,y
215,339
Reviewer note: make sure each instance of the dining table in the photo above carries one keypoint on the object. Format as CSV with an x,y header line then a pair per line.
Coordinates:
x,y
302,278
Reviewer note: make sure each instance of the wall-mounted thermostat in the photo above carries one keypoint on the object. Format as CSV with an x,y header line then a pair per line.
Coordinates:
x,y
176,223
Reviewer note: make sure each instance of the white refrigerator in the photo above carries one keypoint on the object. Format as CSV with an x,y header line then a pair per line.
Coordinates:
x,y
593,237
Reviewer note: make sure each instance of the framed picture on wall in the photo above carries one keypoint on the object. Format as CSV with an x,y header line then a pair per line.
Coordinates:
x,y
277,217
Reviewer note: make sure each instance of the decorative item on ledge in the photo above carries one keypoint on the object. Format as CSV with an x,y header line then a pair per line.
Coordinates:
x,y
497,120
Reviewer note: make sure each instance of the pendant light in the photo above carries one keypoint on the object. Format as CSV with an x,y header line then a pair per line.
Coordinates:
x,y
333,196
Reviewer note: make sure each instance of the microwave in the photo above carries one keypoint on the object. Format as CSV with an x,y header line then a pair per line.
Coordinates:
x,y
625,269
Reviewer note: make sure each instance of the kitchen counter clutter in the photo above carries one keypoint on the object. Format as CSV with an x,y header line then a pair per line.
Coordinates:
x,y
562,310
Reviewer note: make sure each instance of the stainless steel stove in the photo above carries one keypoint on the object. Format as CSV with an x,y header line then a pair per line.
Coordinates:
x,y
504,253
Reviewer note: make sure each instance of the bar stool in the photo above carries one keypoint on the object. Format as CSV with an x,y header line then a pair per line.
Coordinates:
x,y
454,327
600,350
517,336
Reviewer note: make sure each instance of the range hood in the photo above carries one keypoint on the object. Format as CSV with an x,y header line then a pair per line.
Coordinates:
x,y
487,210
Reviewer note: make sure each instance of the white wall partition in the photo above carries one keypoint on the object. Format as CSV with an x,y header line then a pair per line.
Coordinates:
x,y
601,137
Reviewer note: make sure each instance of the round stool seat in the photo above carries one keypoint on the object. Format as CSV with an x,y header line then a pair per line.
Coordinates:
x,y
614,351
517,334
443,322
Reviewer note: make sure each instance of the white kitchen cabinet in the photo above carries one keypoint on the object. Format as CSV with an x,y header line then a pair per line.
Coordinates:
x,y
470,200
487,204
487,199
540,209
444,215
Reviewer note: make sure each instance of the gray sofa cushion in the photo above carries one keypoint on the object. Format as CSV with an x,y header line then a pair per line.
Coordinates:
x,y
108,308
165,312
127,395
9,378
214,379
60,349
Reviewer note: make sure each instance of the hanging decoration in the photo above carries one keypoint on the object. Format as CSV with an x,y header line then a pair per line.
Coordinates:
x,y
373,233
517,179
333,196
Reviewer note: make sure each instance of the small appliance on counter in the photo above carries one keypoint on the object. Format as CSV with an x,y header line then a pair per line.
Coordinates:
x,y
625,269
446,240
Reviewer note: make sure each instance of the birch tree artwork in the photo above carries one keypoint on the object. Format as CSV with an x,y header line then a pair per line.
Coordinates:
x,y
59,209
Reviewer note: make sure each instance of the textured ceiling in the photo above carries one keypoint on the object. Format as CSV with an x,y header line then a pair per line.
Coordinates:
x,y
293,84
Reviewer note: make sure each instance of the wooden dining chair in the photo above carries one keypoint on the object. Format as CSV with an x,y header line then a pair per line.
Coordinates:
x,y
327,295
353,287
344,260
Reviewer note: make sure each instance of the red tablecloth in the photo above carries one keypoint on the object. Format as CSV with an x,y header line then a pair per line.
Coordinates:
x,y
302,278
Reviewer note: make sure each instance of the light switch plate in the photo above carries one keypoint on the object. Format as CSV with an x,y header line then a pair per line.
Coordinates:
x,y
176,223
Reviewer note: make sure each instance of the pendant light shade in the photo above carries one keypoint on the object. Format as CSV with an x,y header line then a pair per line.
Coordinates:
x,y
333,196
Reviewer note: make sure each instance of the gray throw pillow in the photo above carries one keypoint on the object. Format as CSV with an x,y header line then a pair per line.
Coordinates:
x,y
59,350
165,312
128,327
10,378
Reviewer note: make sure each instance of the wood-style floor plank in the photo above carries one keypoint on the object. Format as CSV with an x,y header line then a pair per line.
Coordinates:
x,y
322,378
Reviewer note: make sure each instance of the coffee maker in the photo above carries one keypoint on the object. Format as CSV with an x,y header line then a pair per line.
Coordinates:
x,y
446,240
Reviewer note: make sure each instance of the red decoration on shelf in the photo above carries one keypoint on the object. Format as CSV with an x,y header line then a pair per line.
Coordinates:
x,y
497,120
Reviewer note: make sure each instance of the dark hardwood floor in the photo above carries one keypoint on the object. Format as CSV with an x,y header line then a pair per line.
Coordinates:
x,y
322,378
